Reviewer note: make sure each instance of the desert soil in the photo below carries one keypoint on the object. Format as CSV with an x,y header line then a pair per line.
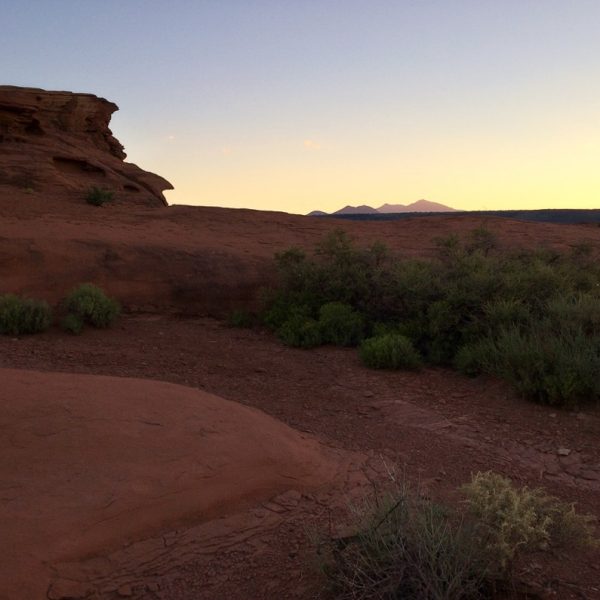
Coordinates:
x,y
434,427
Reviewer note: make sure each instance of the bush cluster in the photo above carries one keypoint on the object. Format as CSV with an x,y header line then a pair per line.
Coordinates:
x,y
530,317
86,304
404,546
20,315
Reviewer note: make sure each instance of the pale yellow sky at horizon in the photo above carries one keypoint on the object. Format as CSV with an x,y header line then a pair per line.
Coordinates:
x,y
299,106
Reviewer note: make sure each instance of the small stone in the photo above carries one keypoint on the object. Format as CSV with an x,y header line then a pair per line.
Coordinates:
x,y
152,587
552,415
63,588
590,475
563,452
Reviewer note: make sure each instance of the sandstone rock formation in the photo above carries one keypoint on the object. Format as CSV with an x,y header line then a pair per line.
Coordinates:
x,y
59,144
94,463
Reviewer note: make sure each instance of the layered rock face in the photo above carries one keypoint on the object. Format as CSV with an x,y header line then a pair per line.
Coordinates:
x,y
59,143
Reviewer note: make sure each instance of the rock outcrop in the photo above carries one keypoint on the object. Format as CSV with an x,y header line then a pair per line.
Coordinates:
x,y
59,143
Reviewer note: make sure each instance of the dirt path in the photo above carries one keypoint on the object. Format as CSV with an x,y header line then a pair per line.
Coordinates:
x,y
437,426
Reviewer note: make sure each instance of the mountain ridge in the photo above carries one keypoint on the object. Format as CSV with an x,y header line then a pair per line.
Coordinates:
x,y
364,209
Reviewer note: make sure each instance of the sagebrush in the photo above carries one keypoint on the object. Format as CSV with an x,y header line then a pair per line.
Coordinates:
x,y
20,315
530,317
92,306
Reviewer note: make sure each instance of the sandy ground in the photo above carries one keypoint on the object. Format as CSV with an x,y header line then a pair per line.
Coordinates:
x,y
435,427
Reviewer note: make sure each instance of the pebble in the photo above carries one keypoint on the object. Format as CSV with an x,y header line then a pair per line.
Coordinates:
x,y
563,452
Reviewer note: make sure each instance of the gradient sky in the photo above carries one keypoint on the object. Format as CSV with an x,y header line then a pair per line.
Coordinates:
x,y
298,105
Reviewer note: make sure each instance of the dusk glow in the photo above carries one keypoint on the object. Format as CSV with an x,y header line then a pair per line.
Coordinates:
x,y
302,105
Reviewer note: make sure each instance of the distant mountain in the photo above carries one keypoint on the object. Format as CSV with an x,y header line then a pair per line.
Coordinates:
x,y
418,206
363,209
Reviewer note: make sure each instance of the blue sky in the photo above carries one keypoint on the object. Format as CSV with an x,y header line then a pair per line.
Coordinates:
x,y
296,105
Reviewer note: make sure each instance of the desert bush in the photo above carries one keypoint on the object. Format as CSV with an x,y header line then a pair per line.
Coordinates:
x,y
472,307
72,323
300,330
576,311
482,240
505,312
340,324
513,521
556,368
98,196
92,305
404,547
390,351
23,315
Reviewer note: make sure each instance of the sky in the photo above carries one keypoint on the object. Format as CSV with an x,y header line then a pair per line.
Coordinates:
x,y
297,105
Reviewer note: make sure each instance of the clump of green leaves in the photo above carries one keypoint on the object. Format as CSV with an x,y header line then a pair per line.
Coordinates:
x,y
340,324
300,330
390,351
20,315
92,306
97,196
513,521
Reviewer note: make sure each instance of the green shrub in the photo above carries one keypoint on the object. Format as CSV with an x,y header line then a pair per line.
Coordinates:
x,y
389,351
505,312
532,318
92,305
340,324
23,315
300,331
514,521
72,323
576,311
98,196
403,546
557,368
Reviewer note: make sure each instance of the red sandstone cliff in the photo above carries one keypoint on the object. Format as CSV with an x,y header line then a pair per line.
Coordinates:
x,y
59,143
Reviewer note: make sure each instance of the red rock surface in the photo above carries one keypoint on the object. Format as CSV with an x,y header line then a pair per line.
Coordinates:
x,y
91,463
202,260
58,145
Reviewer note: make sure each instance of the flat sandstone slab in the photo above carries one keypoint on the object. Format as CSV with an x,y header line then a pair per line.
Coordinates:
x,y
90,463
